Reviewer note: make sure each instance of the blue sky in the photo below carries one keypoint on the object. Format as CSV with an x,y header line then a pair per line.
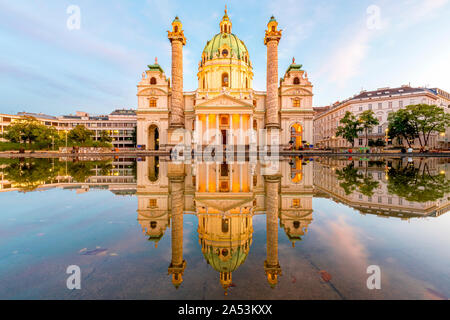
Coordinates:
x,y
343,45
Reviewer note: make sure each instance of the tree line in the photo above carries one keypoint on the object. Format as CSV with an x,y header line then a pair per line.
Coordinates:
x,y
29,133
418,121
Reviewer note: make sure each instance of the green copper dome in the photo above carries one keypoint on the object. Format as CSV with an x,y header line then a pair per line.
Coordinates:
x,y
237,46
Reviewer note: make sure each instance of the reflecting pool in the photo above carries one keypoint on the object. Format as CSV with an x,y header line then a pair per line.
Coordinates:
x,y
150,228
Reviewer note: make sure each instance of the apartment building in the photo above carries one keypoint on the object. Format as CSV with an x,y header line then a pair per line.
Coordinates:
x,y
120,124
382,102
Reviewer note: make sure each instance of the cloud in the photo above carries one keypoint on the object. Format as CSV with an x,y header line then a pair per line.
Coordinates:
x,y
345,61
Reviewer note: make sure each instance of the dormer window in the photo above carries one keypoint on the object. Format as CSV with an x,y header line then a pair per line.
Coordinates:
x,y
296,80
224,53
153,80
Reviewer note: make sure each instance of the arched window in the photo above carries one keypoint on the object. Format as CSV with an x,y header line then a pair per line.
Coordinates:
x,y
153,80
296,80
225,224
246,83
273,29
204,83
176,28
225,79
225,53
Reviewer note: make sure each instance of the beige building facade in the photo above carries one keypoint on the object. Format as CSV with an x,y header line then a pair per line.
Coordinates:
x,y
225,109
382,102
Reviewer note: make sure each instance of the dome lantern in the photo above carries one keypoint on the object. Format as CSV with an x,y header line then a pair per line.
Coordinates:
x,y
225,23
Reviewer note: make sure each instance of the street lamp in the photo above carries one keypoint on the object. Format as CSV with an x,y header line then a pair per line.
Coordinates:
x,y
65,131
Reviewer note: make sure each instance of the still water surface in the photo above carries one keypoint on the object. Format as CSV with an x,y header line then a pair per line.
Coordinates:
x,y
147,228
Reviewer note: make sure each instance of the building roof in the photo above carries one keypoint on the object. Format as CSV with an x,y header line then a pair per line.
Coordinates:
x,y
155,67
124,112
36,115
236,45
383,92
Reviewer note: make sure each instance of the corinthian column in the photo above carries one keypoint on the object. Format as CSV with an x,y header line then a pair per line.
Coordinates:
x,y
271,265
178,40
271,39
178,264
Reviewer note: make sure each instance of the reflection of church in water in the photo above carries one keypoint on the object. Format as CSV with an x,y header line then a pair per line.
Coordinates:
x,y
224,197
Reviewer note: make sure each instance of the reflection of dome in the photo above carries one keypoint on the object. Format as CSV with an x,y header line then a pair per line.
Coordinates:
x,y
225,242
225,259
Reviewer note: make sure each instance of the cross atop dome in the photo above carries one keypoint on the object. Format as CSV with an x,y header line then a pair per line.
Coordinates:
x,y
225,23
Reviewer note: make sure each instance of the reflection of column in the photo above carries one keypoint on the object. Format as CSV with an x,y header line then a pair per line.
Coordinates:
x,y
207,177
178,264
240,129
271,265
217,177
240,177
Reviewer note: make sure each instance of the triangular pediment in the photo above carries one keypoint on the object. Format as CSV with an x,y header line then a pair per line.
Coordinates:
x,y
224,100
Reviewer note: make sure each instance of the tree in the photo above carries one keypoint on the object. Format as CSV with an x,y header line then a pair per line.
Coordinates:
x,y
367,121
105,137
401,124
349,129
80,135
427,119
26,130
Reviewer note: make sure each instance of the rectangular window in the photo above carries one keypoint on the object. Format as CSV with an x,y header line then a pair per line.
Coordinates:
x,y
400,104
370,106
152,103
380,106
390,104
296,103
152,203
360,142
380,129
379,200
295,203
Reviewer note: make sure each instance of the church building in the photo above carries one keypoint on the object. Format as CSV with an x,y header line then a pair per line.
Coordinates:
x,y
225,108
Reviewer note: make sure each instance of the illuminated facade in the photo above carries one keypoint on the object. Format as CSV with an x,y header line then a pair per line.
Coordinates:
x,y
225,109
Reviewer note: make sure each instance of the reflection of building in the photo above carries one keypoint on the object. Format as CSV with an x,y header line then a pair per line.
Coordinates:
x,y
296,198
382,102
225,197
118,178
225,102
376,200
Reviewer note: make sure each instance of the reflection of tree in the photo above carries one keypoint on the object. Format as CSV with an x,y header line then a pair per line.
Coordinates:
x,y
416,183
352,180
82,170
30,173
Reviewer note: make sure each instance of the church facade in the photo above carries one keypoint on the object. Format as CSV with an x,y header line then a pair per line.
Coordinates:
x,y
225,109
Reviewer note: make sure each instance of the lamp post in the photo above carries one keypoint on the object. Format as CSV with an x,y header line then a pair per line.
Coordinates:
x,y
386,137
65,131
